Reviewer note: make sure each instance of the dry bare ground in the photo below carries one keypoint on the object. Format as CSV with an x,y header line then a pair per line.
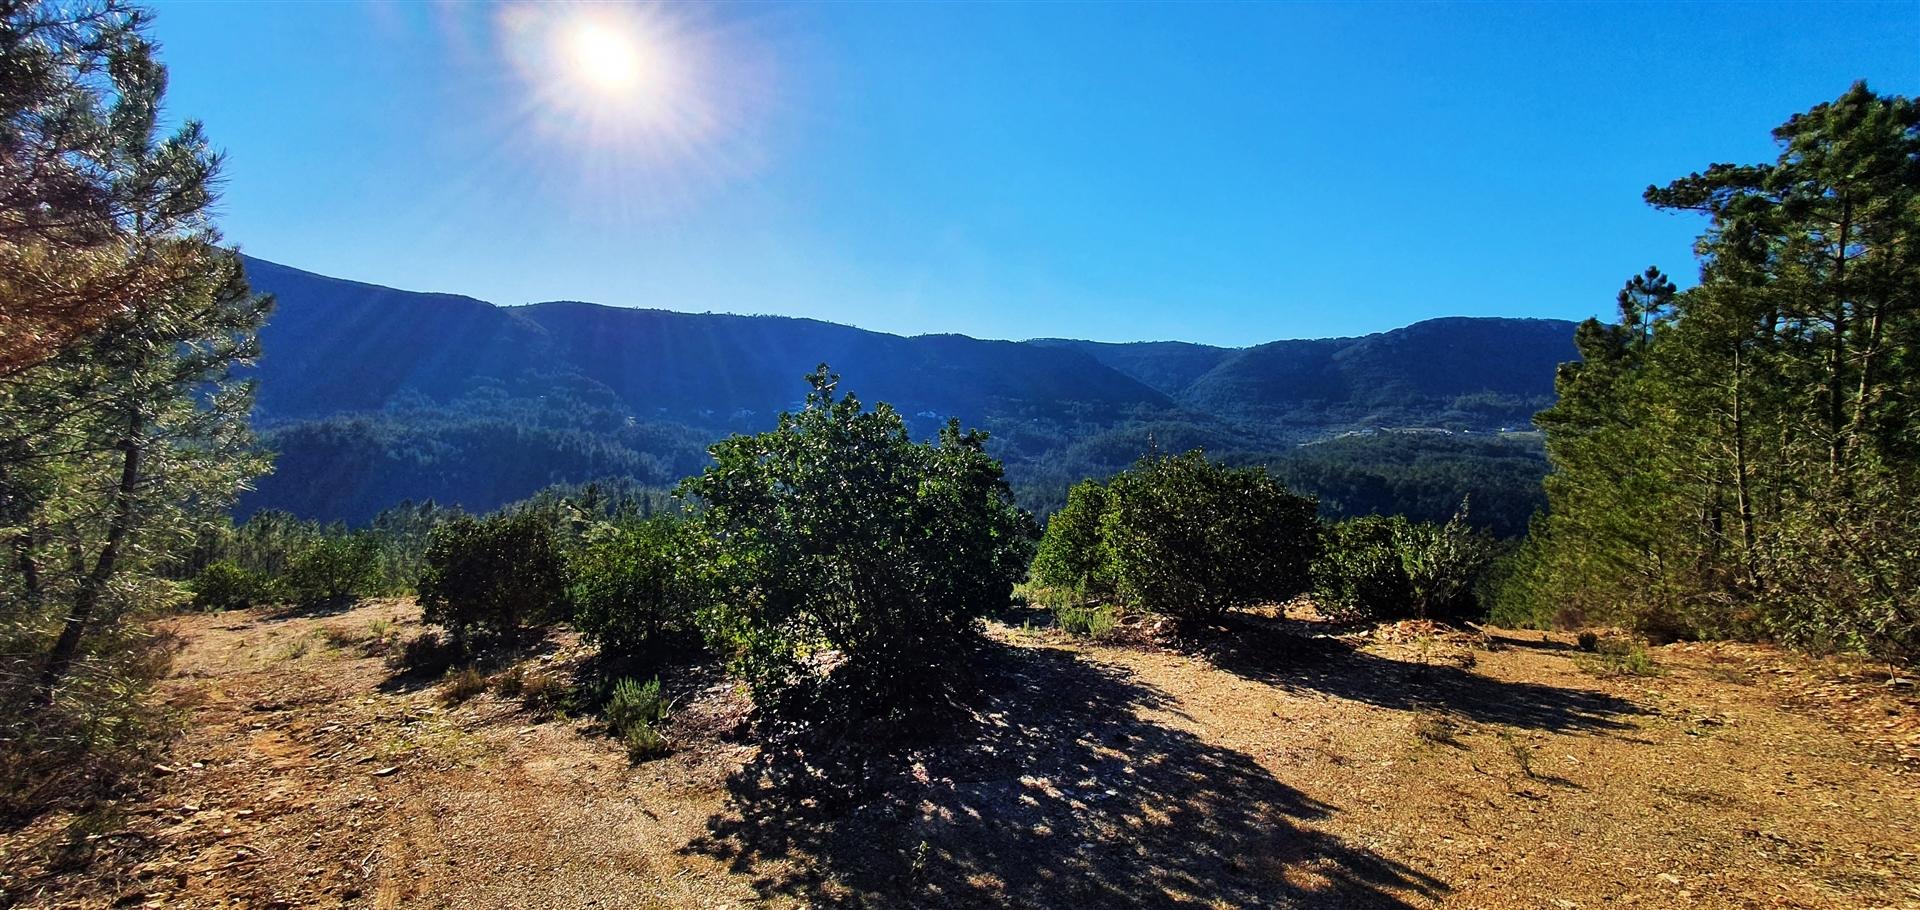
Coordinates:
x,y
1256,766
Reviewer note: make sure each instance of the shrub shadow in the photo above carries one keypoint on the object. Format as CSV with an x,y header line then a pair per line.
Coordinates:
x,y
1054,791
1276,652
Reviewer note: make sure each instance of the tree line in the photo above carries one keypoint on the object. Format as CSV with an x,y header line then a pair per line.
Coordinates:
x,y
1742,458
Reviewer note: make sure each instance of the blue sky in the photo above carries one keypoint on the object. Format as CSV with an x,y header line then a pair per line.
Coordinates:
x,y
1230,173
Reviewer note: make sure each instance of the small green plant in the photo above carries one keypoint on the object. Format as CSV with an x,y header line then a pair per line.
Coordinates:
x,y
463,685
635,703
1618,657
632,713
644,742
1092,621
380,638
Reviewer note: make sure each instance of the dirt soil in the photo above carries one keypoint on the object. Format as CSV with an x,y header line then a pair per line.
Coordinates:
x,y
1263,765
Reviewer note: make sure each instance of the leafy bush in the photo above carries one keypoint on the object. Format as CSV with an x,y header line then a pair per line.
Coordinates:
x,y
331,567
1092,621
1193,539
224,585
630,586
485,578
1072,556
1390,568
1360,575
849,561
1443,562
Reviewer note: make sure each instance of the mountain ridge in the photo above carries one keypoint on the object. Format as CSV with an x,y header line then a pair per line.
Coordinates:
x,y
388,394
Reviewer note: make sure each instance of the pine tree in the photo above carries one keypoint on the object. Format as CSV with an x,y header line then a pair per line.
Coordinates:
x,y
1744,456
122,426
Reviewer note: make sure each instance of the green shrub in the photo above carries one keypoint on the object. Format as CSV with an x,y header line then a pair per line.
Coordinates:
x,y
1443,563
224,585
1193,539
1389,568
486,578
1072,556
331,567
644,742
630,586
1092,621
635,703
1360,575
850,562
632,714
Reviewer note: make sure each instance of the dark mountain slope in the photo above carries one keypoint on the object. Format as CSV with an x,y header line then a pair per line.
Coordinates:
x,y
1470,371
695,368
1166,366
334,345
371,394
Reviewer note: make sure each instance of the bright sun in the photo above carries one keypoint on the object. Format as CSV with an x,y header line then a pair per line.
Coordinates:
x,y
626,88
603,57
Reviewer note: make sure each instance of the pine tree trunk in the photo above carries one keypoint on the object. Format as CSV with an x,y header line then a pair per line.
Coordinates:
x,y
1836,358
1742,498
93,584
1863,398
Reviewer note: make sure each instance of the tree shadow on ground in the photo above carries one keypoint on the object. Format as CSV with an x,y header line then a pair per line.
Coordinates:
x,y
1058,790
1274,651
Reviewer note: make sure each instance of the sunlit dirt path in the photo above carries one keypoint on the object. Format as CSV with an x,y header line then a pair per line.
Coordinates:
x,y
1254,766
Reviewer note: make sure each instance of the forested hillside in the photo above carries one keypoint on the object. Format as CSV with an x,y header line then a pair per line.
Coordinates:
x,y
370,395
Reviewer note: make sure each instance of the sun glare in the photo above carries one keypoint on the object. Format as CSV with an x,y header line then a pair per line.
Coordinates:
x,y
638,105
602,58
608,74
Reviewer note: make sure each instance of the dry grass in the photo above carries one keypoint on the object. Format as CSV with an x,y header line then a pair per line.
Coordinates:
x,y
1258,767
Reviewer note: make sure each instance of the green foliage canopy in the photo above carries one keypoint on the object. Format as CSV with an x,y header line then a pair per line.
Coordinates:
x,y
1190,538
848,559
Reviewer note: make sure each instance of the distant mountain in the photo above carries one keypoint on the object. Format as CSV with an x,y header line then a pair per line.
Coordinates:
x,y
1169,367
335,346
372,394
